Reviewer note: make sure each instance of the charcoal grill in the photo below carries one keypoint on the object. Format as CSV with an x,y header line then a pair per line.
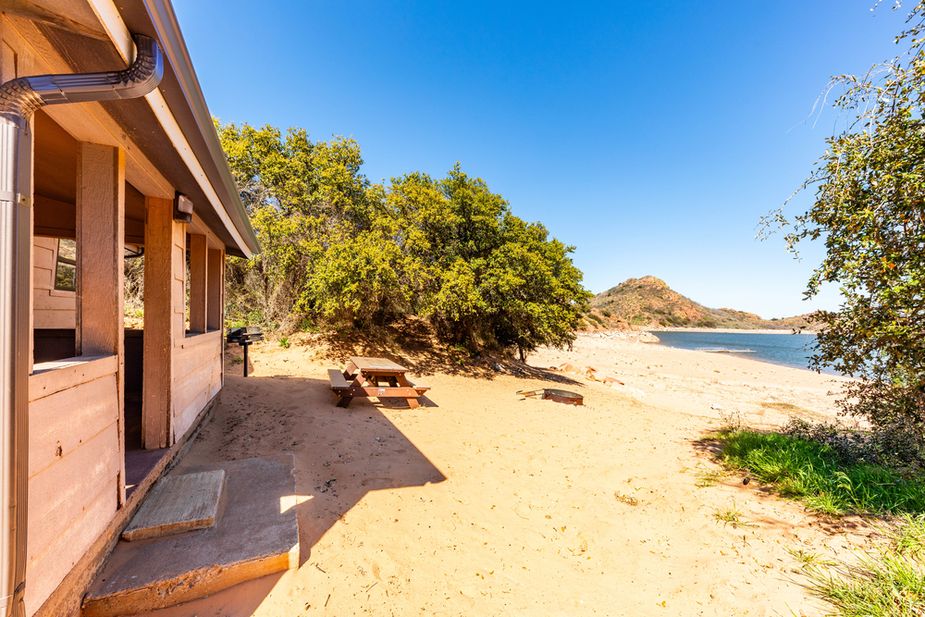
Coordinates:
x,y
554,394
244,337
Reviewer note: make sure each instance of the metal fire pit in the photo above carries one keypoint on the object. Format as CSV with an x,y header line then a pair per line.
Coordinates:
x,y
554,394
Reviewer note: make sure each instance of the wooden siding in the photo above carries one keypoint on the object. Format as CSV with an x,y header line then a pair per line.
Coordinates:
x,y
197,378
52,308
74,467
75,458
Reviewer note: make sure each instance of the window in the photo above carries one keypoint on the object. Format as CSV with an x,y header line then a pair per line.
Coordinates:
x,y
66,265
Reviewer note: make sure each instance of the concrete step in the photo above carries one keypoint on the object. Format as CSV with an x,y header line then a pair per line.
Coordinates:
x,y
177,504
255,535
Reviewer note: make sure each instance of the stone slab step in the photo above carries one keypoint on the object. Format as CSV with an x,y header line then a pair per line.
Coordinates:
x,y
257,534
176,504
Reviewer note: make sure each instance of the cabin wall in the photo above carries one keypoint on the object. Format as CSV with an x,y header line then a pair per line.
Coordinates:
x,y
75,449
74,467
197,378
52,308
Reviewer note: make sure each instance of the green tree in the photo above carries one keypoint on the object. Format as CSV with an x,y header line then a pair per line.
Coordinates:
x,y
492,280
869,210
310,206
340,250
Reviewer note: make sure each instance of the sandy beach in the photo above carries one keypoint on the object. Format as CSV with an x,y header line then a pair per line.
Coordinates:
x,y
485,503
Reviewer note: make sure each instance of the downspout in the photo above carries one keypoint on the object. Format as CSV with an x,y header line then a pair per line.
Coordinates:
x,y
19,99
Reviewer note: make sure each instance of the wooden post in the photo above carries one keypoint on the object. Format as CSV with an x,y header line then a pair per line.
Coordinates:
x,y
216,280
165,291
198,274
100,267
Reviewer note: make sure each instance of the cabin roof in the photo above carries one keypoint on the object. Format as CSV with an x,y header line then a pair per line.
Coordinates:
x,y
172,126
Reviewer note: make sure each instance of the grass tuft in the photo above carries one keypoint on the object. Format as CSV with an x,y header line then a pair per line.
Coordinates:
x,y
813,473
730,516
810,559
710,477
888,581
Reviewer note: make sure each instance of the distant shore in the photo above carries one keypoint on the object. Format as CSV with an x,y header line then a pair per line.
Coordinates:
x,y
730,330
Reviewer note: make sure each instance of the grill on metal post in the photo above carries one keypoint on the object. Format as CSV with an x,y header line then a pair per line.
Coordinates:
x,y
244,337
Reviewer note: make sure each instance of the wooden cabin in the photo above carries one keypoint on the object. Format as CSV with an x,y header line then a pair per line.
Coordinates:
x,y
110,402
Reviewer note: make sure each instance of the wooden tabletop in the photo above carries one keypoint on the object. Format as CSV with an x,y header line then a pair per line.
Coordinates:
x,y
377,364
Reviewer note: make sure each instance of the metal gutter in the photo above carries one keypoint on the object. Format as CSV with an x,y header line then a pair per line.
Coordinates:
x,y
162,17
19,99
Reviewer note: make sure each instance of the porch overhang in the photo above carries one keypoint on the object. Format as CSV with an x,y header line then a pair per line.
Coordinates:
x,y
172,126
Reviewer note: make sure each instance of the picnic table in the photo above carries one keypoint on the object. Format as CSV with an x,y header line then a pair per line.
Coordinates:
x,y
374,377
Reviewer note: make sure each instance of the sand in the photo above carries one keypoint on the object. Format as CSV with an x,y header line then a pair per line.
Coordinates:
x,y
485,503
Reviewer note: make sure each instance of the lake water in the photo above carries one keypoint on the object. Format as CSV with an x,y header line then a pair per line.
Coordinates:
x,y
784,348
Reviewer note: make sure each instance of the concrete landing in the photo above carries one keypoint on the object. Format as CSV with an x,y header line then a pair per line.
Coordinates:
x,y
176,504
256,534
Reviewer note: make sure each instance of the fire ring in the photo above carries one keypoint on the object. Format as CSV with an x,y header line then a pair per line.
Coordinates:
x,y
554,394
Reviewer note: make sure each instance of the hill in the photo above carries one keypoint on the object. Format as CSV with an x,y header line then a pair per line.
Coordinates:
x,y
650,302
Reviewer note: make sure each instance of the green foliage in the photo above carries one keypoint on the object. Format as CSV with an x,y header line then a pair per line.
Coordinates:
x,y
869,210
339,250
813,473
887,581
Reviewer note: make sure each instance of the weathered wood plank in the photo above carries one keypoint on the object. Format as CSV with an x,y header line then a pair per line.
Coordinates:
x,y
68,486
50,562
62,422
216,288
51,377
190,396
101,264
51,302
56,319
162,234
178,503
384,392
337,379
197,377
100,233
195,352
198,272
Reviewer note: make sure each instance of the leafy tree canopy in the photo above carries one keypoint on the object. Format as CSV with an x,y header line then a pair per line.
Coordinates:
x,y
339,250
869,210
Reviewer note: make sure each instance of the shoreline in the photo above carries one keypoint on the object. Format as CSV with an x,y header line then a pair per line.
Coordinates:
x,y
745,355
732,330
696,381
650,337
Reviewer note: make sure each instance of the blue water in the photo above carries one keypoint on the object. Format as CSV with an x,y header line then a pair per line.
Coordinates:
x,y
785,348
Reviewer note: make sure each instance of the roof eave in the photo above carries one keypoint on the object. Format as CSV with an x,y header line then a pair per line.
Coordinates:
x,y
182,113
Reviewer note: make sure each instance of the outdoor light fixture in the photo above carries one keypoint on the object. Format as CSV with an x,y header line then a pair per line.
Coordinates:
x,y
182,208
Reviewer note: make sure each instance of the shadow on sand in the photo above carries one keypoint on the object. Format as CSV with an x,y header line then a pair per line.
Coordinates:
x,y
340,455
411,343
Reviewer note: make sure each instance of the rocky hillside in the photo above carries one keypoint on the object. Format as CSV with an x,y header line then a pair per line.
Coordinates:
x,y
650,302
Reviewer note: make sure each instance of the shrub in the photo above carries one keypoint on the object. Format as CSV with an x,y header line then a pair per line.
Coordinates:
x,y
891,446
817,475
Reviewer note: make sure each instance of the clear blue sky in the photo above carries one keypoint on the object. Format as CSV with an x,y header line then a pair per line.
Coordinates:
x,y
651,135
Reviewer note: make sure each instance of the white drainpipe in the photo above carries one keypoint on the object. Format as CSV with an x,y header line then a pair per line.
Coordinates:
x,y
19,99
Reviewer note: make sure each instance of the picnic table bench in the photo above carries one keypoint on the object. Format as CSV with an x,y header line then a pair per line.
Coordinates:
x,y
374,377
